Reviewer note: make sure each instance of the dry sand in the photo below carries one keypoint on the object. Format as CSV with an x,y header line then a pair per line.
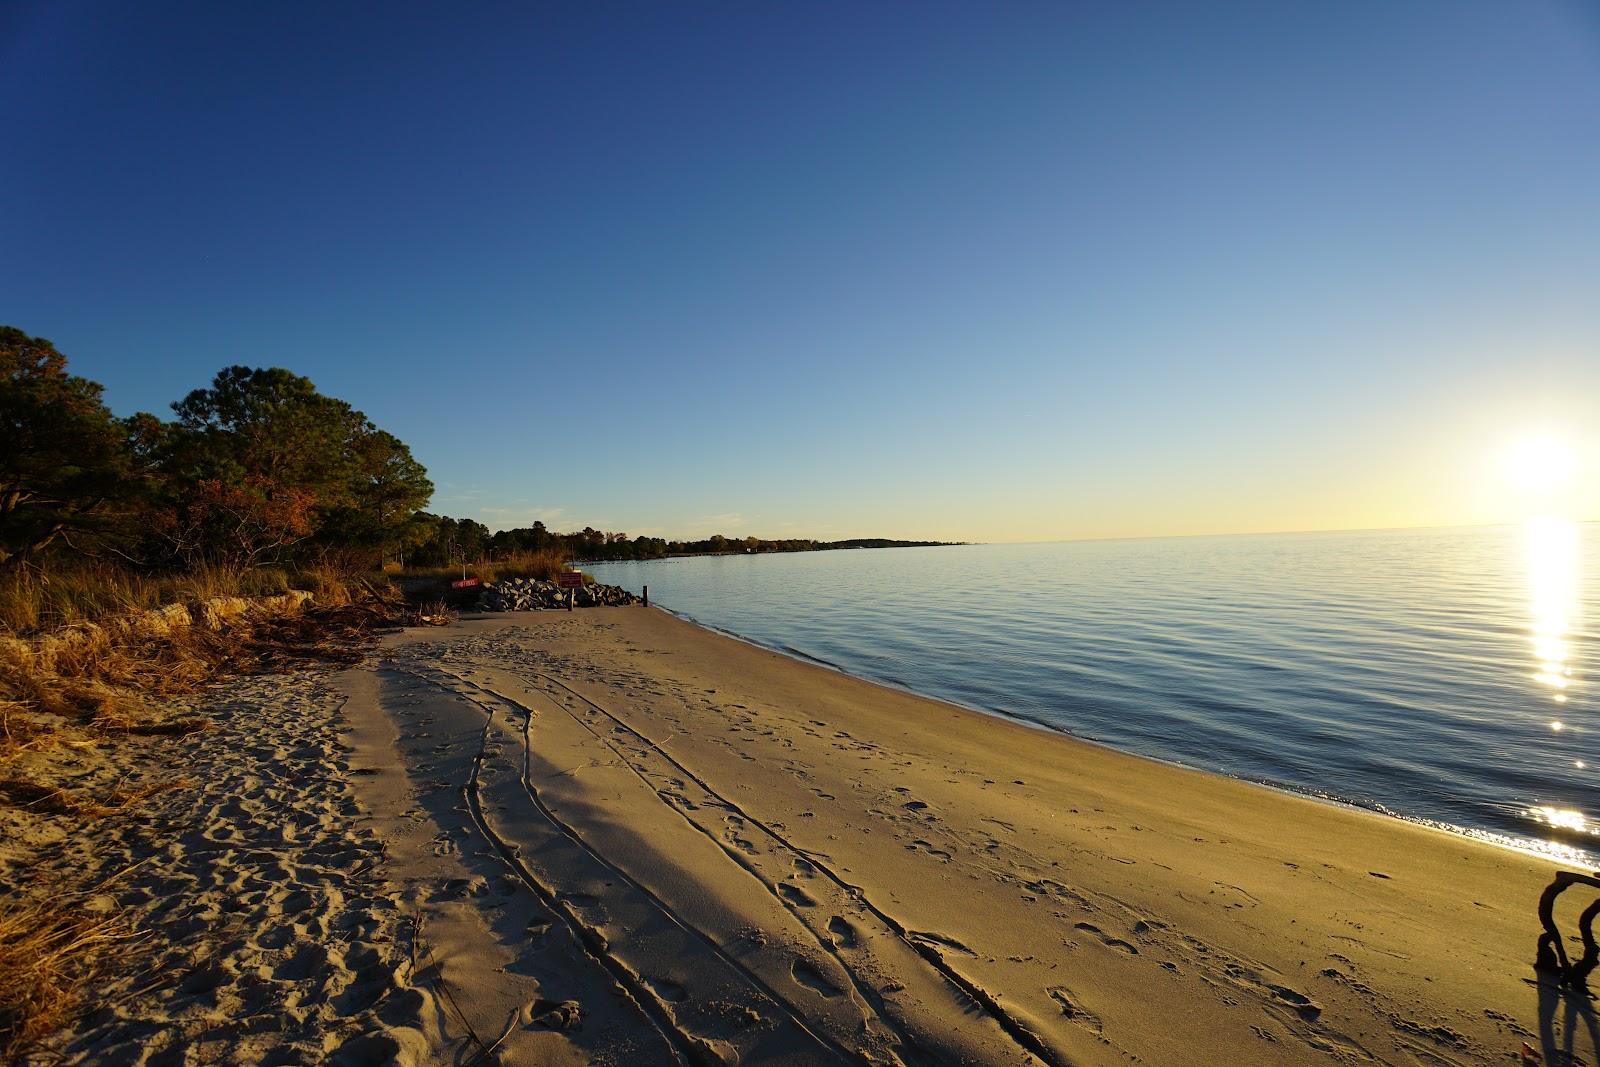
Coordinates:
x,y
261,929
612,836
666,843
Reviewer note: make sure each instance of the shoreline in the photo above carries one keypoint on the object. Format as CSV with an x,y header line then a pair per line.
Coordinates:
x,y
786,552
847,856
621,836
1581,856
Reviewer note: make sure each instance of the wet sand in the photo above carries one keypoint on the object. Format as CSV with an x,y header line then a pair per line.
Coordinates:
x,y
628,839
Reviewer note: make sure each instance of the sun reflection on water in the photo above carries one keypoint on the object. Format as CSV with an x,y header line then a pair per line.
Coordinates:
x,y
1562,818
1553,587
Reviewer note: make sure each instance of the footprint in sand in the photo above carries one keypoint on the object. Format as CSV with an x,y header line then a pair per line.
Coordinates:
x,y
1302,1005
1073,1010
667,989
844,935
677,799
1107,939
307,960
795,895
808,976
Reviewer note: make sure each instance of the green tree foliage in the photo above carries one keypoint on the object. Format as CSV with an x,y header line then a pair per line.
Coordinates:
x,y
274,426
65,460
386,487
260,467
446,541
256,468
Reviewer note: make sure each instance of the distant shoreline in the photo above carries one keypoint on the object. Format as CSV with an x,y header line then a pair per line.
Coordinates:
x,y
852,545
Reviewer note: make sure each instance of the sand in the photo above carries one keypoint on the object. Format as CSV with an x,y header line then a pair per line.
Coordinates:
x,y
612,836
693,845
258,924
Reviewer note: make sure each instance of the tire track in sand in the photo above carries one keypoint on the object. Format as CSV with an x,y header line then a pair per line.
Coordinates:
x,y
663,1010
920,946
910,1050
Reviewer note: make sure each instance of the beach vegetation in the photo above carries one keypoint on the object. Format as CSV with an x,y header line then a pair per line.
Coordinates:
x,y
257,483
542,565
48,955
65,462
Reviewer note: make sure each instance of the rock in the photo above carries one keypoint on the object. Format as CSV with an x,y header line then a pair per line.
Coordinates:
x,y
526,594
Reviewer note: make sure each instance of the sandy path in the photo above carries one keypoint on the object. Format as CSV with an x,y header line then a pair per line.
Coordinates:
x,y
670,846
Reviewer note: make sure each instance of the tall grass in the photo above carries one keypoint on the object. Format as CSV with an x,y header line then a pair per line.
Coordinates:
x,y
82,691
33,600
544,565
100,691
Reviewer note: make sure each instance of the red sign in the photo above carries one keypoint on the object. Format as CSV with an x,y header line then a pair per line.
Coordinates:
x,y
569,580
465,583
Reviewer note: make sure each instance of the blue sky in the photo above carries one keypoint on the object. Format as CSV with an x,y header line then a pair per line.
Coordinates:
x,y
989,272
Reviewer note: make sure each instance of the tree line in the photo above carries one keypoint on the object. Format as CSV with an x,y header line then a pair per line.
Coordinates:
x,y
469,541
256,469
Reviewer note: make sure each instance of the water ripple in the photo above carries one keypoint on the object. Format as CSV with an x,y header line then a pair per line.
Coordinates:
x,y
1406,671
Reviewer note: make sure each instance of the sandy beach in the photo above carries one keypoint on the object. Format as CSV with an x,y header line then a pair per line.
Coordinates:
x,y
782,534
613,836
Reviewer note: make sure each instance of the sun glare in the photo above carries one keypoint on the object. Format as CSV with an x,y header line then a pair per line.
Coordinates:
x,y
1540,465
1561,818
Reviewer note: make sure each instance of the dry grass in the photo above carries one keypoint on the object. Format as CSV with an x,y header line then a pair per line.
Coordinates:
x,y
103,688
180,727
40,799
47,957
81,698
328,635
543,565
431,613
99,695
32,601
19,731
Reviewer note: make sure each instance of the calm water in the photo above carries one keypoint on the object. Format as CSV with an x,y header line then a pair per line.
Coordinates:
x,y
1441,675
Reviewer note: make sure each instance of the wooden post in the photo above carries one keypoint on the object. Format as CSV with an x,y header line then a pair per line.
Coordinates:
x,y
572,594
647,596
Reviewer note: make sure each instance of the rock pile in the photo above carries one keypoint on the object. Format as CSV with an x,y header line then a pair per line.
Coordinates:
x,y
531,594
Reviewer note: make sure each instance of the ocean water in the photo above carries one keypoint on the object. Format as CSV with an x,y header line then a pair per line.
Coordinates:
x,y
1438,675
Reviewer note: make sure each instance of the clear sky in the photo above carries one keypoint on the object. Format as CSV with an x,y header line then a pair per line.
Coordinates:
x,y
969,271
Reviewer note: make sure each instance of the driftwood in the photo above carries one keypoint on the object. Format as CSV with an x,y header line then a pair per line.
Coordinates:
x,y
1551,953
